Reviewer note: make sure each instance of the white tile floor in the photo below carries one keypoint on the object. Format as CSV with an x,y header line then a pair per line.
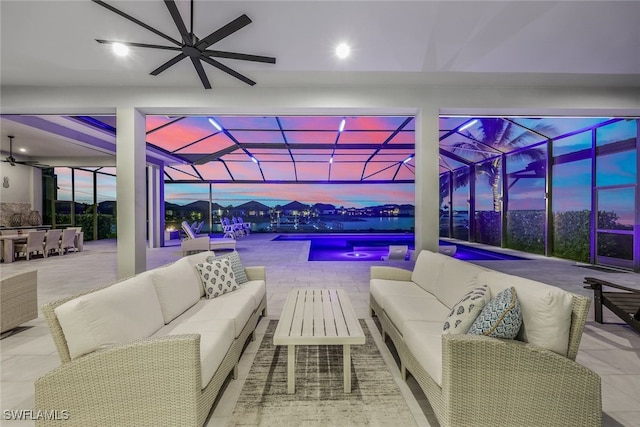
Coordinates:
x,y
612,350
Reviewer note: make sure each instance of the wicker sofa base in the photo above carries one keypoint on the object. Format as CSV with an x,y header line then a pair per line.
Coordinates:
x,y
475,393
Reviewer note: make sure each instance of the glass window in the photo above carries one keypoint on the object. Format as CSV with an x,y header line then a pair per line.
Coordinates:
x,y
63,182
460,204
445,199
526,207
616,168
618,246
488,202
616,132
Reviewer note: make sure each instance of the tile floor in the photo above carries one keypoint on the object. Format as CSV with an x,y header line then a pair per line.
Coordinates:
x,y
612,350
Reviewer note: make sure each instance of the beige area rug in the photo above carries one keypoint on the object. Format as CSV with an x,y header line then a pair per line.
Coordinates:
x,y
319,400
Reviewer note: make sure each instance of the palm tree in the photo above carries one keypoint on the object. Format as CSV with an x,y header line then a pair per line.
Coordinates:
x,y
496,135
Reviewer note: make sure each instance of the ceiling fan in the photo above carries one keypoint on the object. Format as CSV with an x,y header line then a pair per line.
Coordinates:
x,y
197,50
12,160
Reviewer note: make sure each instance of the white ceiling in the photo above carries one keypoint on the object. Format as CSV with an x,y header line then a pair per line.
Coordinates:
x,y
52,43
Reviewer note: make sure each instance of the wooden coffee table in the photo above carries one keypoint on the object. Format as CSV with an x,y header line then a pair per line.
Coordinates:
x,y
318,317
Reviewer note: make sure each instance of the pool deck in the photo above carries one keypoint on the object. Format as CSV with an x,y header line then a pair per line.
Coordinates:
x,y
611,349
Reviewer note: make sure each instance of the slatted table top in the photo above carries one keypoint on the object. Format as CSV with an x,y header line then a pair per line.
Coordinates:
x,y
314,316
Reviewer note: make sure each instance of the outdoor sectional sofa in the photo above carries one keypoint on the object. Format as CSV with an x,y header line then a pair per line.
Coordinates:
x,y
147,350
481,380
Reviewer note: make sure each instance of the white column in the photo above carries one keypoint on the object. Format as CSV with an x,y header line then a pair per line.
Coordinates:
x,y
131,191
427,178
155,225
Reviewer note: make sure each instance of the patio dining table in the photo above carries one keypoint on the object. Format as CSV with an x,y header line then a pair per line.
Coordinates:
x,y
9,241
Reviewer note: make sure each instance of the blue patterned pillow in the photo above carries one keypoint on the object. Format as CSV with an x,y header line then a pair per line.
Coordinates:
x,y
217,277
236,265
500,318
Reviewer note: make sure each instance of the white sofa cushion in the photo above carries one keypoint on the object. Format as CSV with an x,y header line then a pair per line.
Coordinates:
x,y
256,288
424,340
216,336
546,310
235,306
465,312
177,286
500,318
427,270
217,276
455,279
120,313
401,309
198,258
381,288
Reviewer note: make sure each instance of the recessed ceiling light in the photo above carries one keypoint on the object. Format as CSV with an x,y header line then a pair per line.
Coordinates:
x,y
22,150
342,123
120,49
343,50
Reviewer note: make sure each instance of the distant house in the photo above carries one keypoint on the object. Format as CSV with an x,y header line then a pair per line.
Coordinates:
x,y
296,208
251,209
324,209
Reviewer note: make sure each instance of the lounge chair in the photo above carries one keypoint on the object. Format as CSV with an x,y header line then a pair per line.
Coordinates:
x,y
396,252
246,226
624,302
193,243
199,228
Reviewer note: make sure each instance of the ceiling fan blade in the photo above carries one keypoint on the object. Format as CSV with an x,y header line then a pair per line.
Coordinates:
x,y
169,63
136,21
132,44
227,70
177,19
224,31
240,56
200,69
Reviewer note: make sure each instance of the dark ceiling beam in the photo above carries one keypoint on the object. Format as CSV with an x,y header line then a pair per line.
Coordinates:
x,y
284,138
195,142
166,124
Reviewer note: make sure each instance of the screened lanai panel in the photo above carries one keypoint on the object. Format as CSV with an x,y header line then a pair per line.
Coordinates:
x,y
392,155
344,157
505,135
180,133
278,171
244,171
329,123
372,123
246,122
403,137
380,171
257,136
308,171
215,143
181,172
347,171
580,142
467,148
213,171
553,127
363,137
311,137
406,172
623,130
154,121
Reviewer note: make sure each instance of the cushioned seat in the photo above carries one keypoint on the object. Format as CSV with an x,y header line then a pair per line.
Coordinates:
x,y
381,288
216,336
235,306
402,309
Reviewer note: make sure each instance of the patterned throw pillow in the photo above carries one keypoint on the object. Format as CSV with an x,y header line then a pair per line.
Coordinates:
x,y
466,310
236,265
217,277
500,318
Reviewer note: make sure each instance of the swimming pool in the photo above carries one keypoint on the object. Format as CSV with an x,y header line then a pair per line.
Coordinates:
x,y
371,246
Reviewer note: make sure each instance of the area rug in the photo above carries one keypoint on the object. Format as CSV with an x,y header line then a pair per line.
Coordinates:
x,y
319,399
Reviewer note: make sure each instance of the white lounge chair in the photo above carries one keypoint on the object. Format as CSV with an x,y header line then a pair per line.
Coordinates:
x,y
193,243
396,252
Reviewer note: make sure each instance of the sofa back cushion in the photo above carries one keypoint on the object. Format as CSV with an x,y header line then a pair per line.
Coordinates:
x,y
120,313
455,280
178,287
546,310
427,270
197,258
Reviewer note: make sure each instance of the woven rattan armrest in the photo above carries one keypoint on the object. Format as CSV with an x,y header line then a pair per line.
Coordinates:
x,y
390,273
133,384
256,273
493,379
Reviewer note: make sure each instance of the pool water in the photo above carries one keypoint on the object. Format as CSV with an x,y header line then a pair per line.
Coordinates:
x,y
371,247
